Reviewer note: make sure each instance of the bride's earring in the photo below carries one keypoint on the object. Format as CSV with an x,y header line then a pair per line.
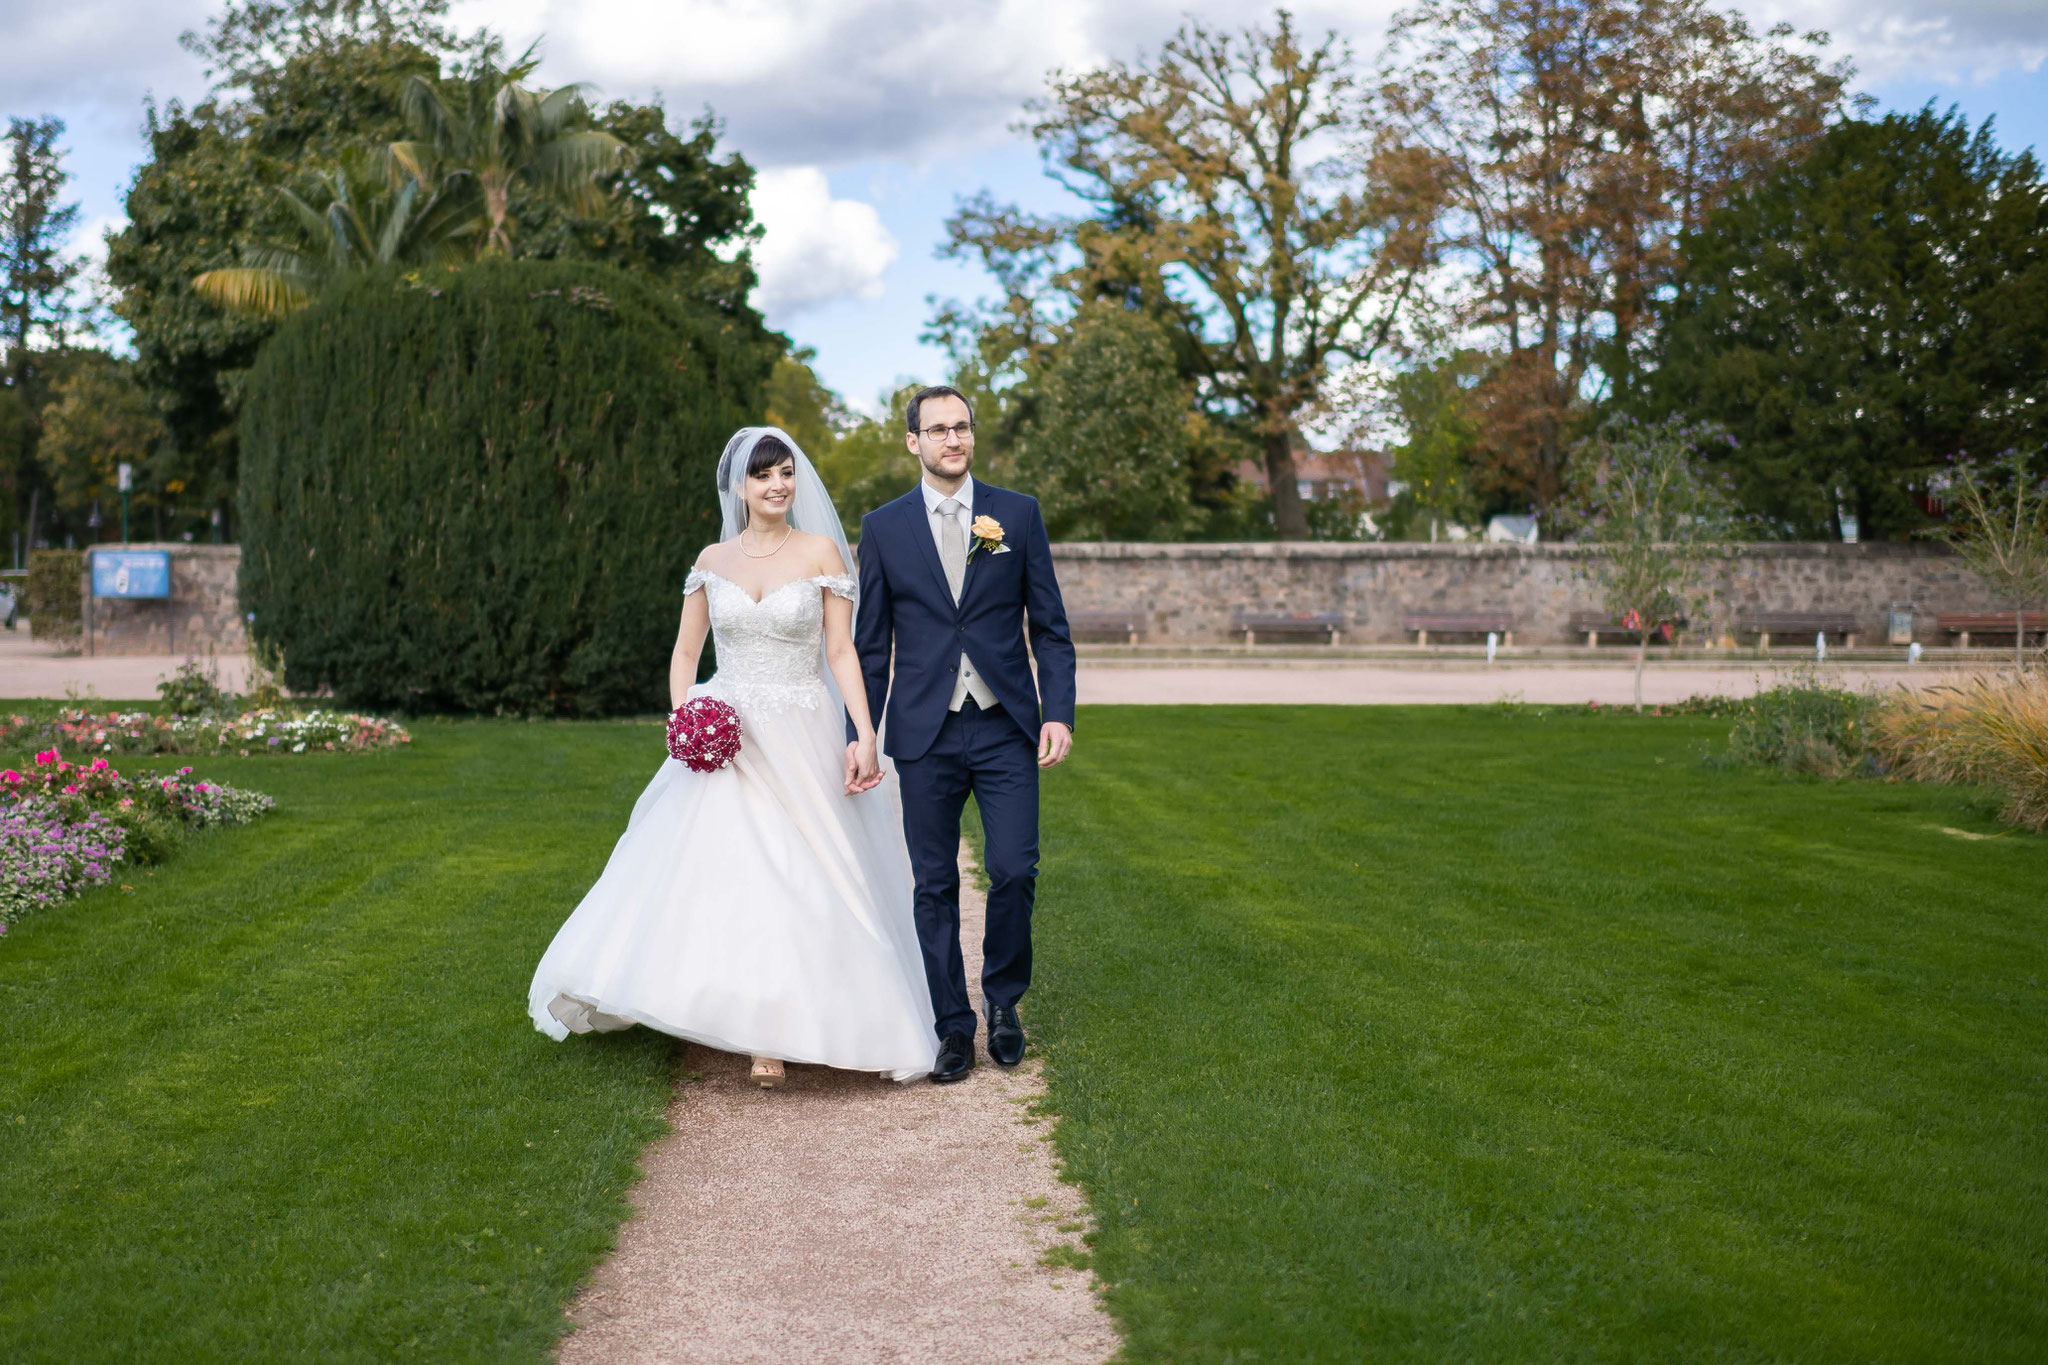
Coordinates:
x,y
767,1071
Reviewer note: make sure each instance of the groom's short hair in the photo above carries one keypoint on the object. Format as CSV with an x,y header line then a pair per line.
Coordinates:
x,y
917,401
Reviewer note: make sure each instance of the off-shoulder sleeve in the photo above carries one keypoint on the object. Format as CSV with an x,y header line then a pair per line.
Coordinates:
x,y
697,579
840,585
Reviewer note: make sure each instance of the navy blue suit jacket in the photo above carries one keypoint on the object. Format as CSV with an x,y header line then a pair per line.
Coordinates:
x,y
904,601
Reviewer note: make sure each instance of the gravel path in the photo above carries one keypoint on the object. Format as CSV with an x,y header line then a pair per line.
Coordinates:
x,y
847,1218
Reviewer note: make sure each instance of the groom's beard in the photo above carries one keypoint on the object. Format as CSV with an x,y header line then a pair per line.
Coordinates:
x,y
933,466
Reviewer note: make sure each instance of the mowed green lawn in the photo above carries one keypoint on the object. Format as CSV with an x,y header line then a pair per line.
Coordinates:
x,y
1429,1034
1482,1034
282,1101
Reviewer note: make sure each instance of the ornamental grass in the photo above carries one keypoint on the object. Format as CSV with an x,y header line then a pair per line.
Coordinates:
x,y
1988,729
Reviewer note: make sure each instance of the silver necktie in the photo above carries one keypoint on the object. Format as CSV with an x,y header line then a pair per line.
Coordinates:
x,y
955,540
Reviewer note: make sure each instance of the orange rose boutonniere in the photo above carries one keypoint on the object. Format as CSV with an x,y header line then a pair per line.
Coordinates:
x,y
988,537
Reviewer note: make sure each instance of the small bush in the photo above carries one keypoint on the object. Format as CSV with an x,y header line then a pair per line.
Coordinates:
x,y
193,691
1990,729
52,605
1805,728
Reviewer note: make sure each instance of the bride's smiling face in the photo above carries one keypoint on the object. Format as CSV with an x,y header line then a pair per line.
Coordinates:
x,y
769,492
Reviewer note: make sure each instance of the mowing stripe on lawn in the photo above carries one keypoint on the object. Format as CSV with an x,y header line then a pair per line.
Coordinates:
x,y
283,1101
1489,1034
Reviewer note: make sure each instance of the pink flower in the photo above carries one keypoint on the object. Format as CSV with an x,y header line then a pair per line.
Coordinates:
x,y
46,757
97,764
71,789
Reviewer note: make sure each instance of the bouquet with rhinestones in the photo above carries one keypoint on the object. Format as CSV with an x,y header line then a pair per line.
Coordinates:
x,y
704,733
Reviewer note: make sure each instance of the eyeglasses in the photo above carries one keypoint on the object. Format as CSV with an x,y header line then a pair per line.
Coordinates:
x,y
962,432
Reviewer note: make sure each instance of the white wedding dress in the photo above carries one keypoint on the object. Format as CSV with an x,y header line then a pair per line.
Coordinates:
x,y
758,909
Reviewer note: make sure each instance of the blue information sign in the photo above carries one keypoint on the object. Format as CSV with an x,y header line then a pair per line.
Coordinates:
x,y
131,573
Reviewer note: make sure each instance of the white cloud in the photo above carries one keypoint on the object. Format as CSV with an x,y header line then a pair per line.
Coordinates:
x,y
812,85
1942,40
815,248
81,52
830,82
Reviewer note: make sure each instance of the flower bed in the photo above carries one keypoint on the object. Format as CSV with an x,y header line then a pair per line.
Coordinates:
x,y
46,857
63,825
252,732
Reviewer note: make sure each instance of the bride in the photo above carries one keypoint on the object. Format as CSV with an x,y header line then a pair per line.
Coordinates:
x,y
764,908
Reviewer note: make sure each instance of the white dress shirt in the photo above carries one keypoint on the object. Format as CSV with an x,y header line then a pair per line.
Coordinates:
x,y
969,683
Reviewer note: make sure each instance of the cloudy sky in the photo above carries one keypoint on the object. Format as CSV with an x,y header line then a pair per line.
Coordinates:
x,y
867,118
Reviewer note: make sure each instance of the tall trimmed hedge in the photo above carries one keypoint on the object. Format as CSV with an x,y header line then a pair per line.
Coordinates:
x,y
480,488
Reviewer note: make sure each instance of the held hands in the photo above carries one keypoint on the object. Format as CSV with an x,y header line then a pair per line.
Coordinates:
x,y
1055,742
864,769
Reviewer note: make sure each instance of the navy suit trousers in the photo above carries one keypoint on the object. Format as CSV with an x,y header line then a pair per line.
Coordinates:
x,y
984,754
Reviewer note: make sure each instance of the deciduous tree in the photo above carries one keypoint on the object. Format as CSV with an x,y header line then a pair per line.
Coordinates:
x,y
1221,168
1999,525
1435,403
98,419
1575,141
1658,513
1105,448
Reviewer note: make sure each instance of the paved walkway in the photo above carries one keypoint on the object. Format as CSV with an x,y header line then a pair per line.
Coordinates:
x,y
35,668
1302,682
31,668
844,1218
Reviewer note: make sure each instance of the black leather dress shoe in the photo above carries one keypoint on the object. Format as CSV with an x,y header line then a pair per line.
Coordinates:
x,y
1005,1036
956,1059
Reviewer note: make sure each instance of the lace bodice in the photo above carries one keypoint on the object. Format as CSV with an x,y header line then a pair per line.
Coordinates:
x,y
768,651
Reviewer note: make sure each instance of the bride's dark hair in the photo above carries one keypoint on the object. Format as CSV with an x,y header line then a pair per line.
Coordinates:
x,y
768,452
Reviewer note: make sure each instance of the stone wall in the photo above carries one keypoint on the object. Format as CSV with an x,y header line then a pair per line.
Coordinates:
x,y
1189,594
204,611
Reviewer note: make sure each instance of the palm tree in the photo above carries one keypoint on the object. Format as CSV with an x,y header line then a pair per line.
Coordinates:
x,y
505,136
362,214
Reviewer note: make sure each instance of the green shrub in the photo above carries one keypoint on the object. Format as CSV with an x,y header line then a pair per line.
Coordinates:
x,y
480,488
193,691
1803,727
52,604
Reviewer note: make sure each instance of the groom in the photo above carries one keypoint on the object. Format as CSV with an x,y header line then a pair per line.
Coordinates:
x,y
954,574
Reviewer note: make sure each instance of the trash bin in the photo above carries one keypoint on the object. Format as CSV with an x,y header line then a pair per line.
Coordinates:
x,y
1900,623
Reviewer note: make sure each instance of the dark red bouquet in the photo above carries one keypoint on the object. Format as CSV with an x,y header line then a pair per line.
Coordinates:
x,y
704,733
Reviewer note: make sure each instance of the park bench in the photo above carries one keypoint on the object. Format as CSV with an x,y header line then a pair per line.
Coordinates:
x,y
1120,626
1593,625
1964,624
1328,624
1799,624
1460,623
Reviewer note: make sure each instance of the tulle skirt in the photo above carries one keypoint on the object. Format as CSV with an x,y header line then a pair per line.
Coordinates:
x,y
757,909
